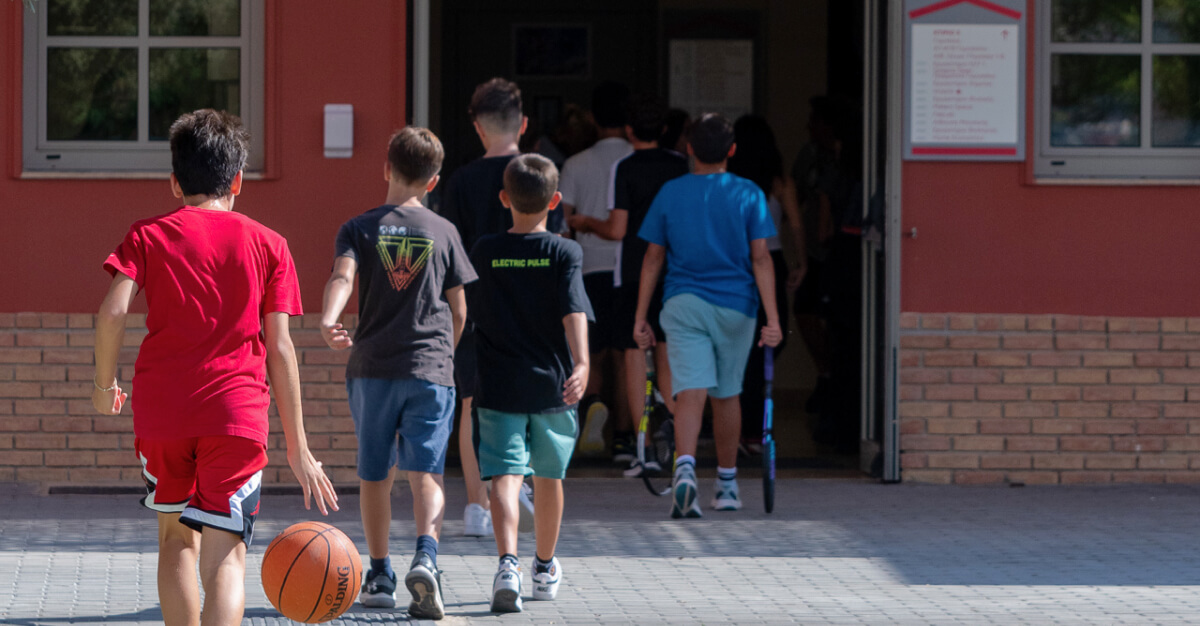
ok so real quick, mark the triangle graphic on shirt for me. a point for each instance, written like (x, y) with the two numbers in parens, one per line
(403, 258)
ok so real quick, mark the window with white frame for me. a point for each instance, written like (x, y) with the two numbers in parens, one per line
(104, 79)
(1118, 89)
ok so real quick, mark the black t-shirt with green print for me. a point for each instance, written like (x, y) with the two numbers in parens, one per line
(527, 284)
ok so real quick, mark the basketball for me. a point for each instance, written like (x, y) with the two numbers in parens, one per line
(311, 572)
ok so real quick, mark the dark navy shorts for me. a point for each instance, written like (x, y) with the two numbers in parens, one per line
(402, 422)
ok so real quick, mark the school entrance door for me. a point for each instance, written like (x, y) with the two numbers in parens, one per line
(767, 57)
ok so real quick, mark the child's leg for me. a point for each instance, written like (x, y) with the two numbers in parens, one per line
(635, 382)
(178, 591)
(476, 489)
(548, 509)
(664, 375)
(727, 429)
(689, 411)
(429, 502)
(505, 489)
(223, 571)
(375, 504)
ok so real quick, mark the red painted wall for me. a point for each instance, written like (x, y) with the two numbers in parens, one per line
(990, 239)
(989, 243)
(56, 233)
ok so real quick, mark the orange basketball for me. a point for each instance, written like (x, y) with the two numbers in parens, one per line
(311, 572)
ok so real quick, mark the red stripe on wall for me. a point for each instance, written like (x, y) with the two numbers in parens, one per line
(983, 4)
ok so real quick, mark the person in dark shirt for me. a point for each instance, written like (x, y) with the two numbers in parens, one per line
(531, 374)
(636, 181)
(400, 377)
(471, 201)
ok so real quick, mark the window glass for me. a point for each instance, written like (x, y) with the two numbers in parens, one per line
(186, 79)
(1177, 21)
(1092, 21)
(1176, 101)
(92, 18)
(91, 94)
(1095, 100)
(195, 18)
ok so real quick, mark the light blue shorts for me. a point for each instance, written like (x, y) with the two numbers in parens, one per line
(525, 443)
(403, 422)
(707, 345)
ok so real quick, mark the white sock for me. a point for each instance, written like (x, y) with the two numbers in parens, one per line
(682, 459)
(726, 473)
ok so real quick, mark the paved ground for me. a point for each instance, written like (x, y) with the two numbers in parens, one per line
(834, 552)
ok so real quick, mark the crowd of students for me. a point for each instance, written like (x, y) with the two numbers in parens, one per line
(485, 305)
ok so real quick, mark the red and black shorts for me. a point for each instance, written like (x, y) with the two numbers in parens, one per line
(210, 481)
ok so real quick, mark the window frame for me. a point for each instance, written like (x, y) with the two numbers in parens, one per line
(1130, 163)
(142, 156)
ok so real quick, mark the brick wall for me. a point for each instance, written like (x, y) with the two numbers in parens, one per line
(1049, 399)
(51, 435)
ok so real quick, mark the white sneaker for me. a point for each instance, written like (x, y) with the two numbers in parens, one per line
(684, 502)
(545, 584)
(506, 588)
(726, 497)
(477, 521)
(635, 469)
(525, 522)
(591, 440)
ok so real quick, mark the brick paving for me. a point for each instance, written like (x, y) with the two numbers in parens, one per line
(834, 552)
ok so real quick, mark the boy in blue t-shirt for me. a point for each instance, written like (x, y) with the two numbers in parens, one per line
(711, 228)
(531, 315)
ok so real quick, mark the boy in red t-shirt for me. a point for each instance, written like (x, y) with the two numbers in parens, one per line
(220, 288)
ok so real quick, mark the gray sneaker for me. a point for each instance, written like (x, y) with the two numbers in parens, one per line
(424, 582)
(378, 590)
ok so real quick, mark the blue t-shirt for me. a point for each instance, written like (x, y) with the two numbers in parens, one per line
(706, 223)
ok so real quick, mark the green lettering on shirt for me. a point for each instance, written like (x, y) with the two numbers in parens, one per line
(521, 262)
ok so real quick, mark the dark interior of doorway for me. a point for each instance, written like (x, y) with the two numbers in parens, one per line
(475, 40)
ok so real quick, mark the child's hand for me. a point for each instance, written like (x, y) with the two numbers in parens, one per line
(578, 223)
(643, 334)
(313, 481)
(108, 402)
(335, 337)
(771, 335)
(796, 276)
(573, 389)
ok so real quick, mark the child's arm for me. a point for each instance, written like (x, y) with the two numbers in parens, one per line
(107, 397)
(764, 277)
(457, 298)
(785, 190)
(285, 380)
(576, 326)
(337, 293)
(612, 229)
(652, 264)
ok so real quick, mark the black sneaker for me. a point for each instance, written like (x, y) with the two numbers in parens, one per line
(424, 582)
(379, 590)
(623, 449)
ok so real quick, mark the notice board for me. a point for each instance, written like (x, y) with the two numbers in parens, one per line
(964, 80)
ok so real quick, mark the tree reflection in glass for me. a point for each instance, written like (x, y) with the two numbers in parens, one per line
(1095, 100)
(91, 94)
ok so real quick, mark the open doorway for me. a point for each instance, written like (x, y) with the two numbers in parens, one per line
(772, 58)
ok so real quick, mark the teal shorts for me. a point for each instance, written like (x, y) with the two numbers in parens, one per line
(526, 443)
(707, 345)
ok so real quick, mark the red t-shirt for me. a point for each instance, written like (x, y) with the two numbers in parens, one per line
(209, 278)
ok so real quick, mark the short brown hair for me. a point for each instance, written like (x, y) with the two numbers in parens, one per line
(496, 104)
(208, 149)
(415, 154)
(530, 181)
